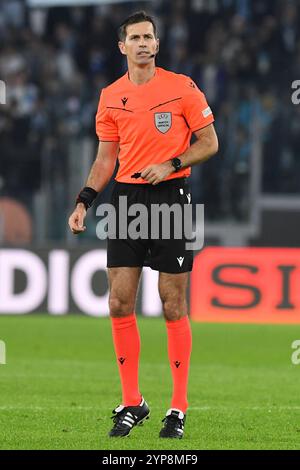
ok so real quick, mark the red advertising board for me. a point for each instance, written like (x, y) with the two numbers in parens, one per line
(246, 285)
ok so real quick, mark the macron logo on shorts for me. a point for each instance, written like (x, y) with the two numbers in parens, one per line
(180, 260)
(206, 112)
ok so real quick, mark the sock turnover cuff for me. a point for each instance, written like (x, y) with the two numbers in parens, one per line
(178, 324)
(123, 322)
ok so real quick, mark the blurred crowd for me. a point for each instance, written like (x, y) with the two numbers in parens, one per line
(243, 54)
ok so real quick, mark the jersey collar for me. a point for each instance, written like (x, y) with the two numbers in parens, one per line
(153, 79)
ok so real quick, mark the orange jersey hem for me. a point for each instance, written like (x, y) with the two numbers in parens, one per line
(179, 174)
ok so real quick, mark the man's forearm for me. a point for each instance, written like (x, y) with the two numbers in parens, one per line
(100, 174)
(198, 152)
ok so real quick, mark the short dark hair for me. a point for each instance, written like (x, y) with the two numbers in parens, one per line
(137, 17)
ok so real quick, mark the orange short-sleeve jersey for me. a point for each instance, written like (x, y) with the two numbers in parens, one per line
(152, 122)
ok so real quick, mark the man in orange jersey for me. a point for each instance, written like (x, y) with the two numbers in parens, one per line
(146, 119)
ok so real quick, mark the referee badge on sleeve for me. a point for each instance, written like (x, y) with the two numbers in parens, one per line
(163, 122)
(207, 112)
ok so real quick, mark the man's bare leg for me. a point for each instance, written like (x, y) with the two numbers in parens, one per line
(123, 285)
(172, 290)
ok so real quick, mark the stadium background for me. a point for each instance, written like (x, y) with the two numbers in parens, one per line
(244, 55)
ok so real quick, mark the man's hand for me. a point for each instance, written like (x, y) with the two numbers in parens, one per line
(154, 174)
(76, 219)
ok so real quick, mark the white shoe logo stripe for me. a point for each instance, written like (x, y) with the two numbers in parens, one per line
(127, 423)
(130, 420)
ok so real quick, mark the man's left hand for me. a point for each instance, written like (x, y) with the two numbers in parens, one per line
(154, 174)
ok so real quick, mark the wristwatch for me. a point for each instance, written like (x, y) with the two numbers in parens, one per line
(176, 163)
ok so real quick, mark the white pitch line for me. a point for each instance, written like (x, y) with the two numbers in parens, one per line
(222, 408)
(192, 408)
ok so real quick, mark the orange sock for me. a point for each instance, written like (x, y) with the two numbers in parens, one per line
(179, 349)
(127, 348)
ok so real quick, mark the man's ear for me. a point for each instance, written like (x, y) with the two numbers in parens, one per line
(122, 47)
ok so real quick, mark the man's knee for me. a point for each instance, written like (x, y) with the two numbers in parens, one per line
(174, 308)
(120, 307)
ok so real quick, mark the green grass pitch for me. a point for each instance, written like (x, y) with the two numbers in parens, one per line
(60, 384)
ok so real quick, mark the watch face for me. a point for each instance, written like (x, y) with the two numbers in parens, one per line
(176, 163)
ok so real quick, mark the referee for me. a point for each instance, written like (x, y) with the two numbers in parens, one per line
(145, 119)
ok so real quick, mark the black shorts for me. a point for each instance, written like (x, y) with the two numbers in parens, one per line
(165, 255)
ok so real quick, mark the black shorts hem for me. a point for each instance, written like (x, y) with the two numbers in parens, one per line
(123, 265)
(170, 271)
(154, 268)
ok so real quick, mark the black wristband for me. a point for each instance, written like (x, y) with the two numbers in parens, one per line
(87, 196)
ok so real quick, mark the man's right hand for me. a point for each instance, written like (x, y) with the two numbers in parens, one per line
(76, 219)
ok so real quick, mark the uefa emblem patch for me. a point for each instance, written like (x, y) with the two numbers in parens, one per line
(163, 122)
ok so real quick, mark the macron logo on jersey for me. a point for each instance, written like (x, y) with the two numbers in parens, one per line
(206, 112)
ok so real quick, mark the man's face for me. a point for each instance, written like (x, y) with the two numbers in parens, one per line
(140, 43)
